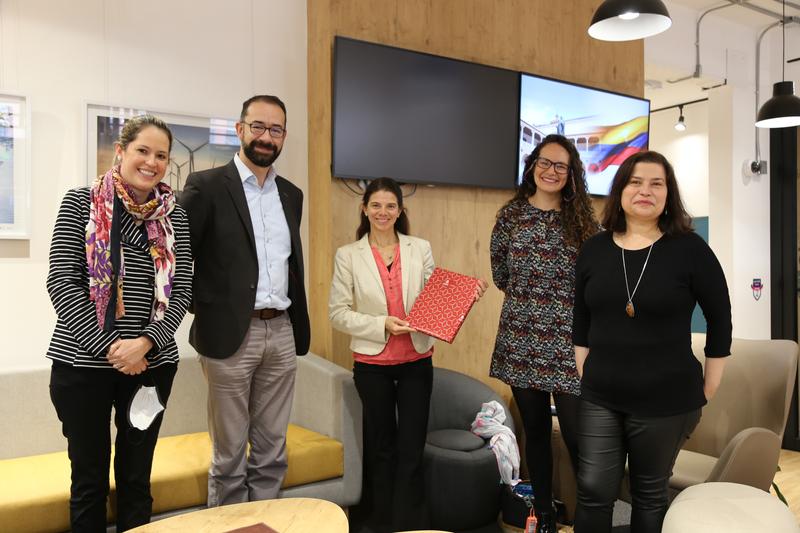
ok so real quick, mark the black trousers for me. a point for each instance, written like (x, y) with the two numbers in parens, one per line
(534, 408)
(606, 438)
(83, 398)
(395, 400)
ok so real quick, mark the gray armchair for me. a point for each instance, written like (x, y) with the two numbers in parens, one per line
(461, 475)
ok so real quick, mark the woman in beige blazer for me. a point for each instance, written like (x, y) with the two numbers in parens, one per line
(375, 282)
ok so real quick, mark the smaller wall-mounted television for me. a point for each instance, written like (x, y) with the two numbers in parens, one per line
(421, 118)
(606, 127)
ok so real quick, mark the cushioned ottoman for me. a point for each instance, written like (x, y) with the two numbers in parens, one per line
(728, 508)
(461, 480)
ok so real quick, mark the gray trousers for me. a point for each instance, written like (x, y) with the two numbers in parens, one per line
(249, 401)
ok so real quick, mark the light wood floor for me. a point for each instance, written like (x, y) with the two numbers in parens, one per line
(788, 480)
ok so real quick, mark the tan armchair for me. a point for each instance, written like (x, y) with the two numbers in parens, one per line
(739, 436)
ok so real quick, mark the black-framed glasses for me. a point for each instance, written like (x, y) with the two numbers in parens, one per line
(544, 163)
(258, 129)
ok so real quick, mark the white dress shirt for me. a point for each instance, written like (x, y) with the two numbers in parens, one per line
(273, 242)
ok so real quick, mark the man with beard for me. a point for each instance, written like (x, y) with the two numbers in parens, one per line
(250, 311)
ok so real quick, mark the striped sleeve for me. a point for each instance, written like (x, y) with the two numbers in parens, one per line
(68, 279)
(162, 332)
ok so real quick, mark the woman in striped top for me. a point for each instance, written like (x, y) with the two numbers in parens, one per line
(120, 282)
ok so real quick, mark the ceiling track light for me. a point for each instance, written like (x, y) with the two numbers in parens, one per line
(783, 109)
(628, 20)
(681, 124)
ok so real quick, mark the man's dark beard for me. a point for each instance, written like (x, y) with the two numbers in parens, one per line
(259, 159)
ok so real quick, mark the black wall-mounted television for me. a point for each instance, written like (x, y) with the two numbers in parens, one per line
(420, 118)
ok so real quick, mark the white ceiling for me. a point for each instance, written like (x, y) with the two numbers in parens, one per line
(658, 88)
(665, 93)
(744, 15)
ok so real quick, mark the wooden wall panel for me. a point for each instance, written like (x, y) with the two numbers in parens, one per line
(538, 36)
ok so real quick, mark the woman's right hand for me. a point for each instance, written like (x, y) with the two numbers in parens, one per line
(128, 357)
(136, 368)
(395, 326)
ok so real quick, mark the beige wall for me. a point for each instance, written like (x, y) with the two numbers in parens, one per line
(547, 38)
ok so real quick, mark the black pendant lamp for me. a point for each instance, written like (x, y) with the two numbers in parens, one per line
(628, 20)
(783, 109)
(681, 124)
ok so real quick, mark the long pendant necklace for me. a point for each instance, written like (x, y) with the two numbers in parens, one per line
(629, 309)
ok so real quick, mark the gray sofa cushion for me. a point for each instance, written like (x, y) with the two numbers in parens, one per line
(455, 439)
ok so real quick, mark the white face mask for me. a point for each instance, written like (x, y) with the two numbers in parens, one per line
(144, 408)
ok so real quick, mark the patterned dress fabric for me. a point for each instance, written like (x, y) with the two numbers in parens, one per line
(535, 268)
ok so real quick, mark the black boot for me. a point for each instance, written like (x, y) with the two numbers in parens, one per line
(546, 521)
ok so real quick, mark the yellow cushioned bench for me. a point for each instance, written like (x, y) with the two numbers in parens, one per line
(34, 490)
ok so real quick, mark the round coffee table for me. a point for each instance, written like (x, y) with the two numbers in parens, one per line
(287, 515)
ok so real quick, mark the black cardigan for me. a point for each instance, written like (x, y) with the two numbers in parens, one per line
(644, 365)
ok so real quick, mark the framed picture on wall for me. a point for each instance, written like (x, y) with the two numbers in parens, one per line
(198, 142)
(15, 166)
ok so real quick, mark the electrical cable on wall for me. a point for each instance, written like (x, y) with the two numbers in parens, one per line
(362, 185)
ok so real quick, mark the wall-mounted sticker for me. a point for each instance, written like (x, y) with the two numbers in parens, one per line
(757, 286)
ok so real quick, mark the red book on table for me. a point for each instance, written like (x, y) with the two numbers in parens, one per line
(443, 304)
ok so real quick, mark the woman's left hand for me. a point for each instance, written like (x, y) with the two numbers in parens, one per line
(480, 289)
(126, 354)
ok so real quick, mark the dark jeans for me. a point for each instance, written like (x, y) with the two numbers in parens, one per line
(83, 398)
(395, 399)
(650, 444)
(534, 408)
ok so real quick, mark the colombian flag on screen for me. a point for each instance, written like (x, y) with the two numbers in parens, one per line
(619, 143)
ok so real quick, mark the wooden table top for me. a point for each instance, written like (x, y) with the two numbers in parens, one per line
(287, 515)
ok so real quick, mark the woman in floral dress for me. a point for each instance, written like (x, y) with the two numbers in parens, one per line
(534, 247)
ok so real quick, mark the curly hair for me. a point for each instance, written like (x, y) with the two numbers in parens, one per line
(673, 220)
(577, 214)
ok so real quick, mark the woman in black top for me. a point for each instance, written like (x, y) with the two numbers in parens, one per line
(120, 280)
(642, 388)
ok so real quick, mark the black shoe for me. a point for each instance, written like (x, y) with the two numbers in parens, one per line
(546, 522)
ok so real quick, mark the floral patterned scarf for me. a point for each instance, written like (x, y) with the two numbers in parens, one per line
(104, 252)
